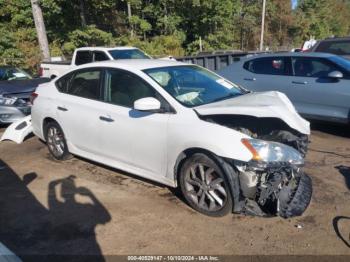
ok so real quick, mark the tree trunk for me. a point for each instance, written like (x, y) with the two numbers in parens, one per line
(82, 13)
(129, 16)
(40, 29)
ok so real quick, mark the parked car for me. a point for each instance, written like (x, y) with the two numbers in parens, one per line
(180, 125)
(336, 45)
(16, 86)
(86, 55)
(316, 83)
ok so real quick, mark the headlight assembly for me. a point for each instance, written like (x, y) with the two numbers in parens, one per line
(265, 151)
(7, 101)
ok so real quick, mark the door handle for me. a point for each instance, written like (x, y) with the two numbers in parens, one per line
(250, 79)
(106, 119)
(299, 82)
(62, 108)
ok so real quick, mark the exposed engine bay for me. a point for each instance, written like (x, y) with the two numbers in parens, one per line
(282, 190)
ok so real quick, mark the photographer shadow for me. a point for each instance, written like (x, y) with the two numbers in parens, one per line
(62, 232)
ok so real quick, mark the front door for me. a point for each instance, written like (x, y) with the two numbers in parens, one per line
(138, 139)
(316, 95)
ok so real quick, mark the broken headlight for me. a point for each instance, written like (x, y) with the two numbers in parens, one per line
(7, 101)
(266, 151)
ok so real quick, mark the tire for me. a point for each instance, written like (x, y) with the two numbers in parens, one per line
(56, 141)
(204, 186)
(298, 200)
(300, 143)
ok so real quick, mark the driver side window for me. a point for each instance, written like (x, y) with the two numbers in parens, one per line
(312, 67)
(123, 88)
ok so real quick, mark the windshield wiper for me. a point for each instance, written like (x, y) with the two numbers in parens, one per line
(225, 97)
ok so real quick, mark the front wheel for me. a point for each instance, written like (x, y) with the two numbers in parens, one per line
(56, 142)
(204, 186)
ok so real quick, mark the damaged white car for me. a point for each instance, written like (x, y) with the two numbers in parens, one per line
(228, 150)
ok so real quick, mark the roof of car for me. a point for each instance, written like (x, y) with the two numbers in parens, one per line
(138, 64)
(295, 54)
(102, 48)
(335, 39)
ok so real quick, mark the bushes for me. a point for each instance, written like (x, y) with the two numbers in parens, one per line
(88, 36)
(156, 46)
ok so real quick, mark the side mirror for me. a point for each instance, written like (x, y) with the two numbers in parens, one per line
(147, 104)
(335, 75)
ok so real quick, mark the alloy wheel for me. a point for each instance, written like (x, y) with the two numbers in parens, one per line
(205, 187)
(55, 141)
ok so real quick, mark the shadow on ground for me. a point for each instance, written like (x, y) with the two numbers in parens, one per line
(63, 232)
(341, 130)
(344, 236)
(345, 171)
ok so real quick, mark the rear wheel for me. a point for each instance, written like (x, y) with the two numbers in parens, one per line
(204, 186)
(56, 141)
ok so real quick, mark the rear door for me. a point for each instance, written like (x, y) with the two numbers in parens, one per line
(266, 74)
(78, 107)
(316, 95)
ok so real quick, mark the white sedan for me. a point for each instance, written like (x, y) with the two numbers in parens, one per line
(183, 126)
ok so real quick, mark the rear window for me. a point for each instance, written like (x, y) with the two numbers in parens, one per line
(267, 66)
(100, 56)
(128, 54)
(83, 57)
(335, 47)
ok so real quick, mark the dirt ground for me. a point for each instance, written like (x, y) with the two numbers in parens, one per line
(79, 207)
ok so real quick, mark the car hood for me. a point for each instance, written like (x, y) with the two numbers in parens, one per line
(21, 86)
(262, 104)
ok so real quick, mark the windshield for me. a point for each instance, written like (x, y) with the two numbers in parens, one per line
(128, 54)
(344, 63)
(11, 73)
(192, 85)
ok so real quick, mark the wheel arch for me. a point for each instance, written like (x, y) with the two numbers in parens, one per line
(186, 154)
(46, 121)
(227, 168)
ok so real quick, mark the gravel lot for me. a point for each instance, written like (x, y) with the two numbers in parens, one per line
(79, 207)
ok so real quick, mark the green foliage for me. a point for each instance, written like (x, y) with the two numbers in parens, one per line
(157, 46)
(165, 27)
(88, 36)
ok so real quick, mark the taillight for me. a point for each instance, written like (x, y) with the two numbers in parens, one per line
(41, 71)
(33, 96)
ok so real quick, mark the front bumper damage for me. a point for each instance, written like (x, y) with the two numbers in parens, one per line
(278, 189)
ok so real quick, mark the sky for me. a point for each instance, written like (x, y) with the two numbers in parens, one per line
(294, 3)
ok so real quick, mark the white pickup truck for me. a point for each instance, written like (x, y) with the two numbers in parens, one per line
(86, 55)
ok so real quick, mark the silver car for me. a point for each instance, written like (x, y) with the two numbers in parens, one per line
(318, 84)
(16, 86)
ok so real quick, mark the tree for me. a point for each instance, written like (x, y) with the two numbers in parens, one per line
(40, 29)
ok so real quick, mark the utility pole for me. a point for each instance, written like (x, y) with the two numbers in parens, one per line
(262, 25)
(129, 17)
(40, 29)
